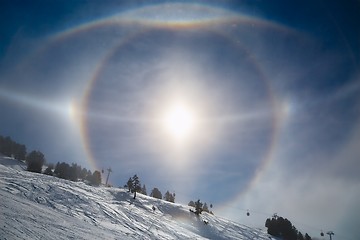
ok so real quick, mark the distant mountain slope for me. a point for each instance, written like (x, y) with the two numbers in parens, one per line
(37, 206)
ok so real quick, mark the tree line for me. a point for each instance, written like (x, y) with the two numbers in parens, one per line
(75, 172)
(10, 148)
(35, 161)
(282, 227)
(200, 207)
(134, 185)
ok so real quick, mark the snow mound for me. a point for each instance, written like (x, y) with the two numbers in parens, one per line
(37, 206)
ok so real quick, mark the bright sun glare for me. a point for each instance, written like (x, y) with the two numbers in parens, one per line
(179, 121)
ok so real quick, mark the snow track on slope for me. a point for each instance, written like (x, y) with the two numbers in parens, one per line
(37, 206)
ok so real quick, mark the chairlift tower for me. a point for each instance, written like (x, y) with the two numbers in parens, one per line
(330, 233)
(107, 178)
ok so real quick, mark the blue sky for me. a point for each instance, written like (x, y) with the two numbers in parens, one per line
(272, 89)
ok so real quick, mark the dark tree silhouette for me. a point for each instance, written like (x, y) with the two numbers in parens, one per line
(191, 203)
(6, 146)
(35, 160)
(136, 184)
(198, 207)
(19, 151)
(96, 178)
(10, 148)
(130, 184)
(62, 170)
(282, 227)
(74, 172)
(89, 176)
(83, 174)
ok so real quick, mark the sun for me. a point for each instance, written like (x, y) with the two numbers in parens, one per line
(179, 121)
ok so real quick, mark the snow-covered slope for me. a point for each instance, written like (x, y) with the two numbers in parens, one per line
(12, 163)
(37, 206)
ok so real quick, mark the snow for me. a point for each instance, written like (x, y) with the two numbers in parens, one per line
(37, 206)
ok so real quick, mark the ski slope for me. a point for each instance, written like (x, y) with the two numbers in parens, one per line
(37, 206)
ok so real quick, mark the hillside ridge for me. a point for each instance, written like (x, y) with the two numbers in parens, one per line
(37, 206)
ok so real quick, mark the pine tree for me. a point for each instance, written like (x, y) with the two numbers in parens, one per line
(96, 178)
(280, 227)
(5, 146)
(19, 151)
(89, 177)
(136, 184)
(191, 203)
(62, 170)
(73, 172)
(198, 207)
(35, 160)
(155, 193)
(83, 174)
(130, 184)
(169, 197)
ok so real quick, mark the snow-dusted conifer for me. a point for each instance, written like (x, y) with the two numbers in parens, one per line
(155, 193)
